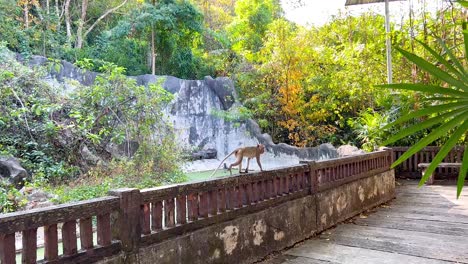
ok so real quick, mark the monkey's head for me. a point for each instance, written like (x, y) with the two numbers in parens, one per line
(261, 148)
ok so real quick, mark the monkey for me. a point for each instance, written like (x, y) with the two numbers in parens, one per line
(240, 153)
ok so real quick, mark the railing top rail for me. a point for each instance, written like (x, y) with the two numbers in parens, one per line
(345, 160)
(23, 220)
(170, 191)
(428, 148)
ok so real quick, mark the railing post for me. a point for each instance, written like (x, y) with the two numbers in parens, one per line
(392, 156)
(7, 248)
(313, 177)
(391, 153)
(128, 227)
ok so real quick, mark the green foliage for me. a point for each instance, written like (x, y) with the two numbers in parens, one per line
(117, 174)
(446, 110)
(250, 25)
(27, 107)
(62, 137)
(304, 86)
(177, 27)
(318, 78)
(368, 129)
(236, 114)
(66, 194)
(10, 198)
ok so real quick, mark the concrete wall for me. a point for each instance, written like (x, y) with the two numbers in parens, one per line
(251, 237)
(345, 201)
(242, 240)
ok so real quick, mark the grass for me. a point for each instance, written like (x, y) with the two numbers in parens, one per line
(205, 175)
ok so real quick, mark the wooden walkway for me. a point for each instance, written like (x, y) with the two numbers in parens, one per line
(422, 225)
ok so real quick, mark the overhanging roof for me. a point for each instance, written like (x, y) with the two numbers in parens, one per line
(361, 2)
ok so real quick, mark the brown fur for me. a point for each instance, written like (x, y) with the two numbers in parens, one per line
(240, 153)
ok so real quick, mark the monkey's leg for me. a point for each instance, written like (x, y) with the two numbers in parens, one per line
(247, 169)
(259, 164)
(238, 162)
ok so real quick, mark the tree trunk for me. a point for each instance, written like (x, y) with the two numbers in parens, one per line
(153, 53)
(67, 22)
(26, 15)
(80, 35)
(153, 48)
(57, 12)
(79, 31)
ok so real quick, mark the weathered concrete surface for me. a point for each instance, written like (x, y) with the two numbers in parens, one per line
(348, 200)
(251, 237)
(243, 240)
(422, 225)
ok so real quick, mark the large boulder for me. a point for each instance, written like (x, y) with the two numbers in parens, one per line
(348, 150)
(37, 198)
(89, 157)
(127, 149)
(11, 170)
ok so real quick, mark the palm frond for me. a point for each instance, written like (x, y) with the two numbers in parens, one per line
(448, 114)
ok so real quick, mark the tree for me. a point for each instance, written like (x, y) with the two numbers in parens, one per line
(176, 27)
(318, 77)
(81, 33)
(285, 67)
(250, 24)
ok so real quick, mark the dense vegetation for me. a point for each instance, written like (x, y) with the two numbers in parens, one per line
(304, 85)
(84, 138)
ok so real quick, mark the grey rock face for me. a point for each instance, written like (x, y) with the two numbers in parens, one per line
(66, 71)
(205, 154)
(11, 170)
(88, 156)
(222, 87)
(191, 113)
(324, 151)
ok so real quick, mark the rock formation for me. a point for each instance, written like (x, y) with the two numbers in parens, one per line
(11, 170)
(191, 113)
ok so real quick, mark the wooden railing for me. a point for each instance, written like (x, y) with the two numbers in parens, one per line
(64, 218)
(144, 217)
(336, 172)
(173, 210)
(409, 168)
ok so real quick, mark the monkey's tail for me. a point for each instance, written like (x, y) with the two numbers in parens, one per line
(222, 163)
